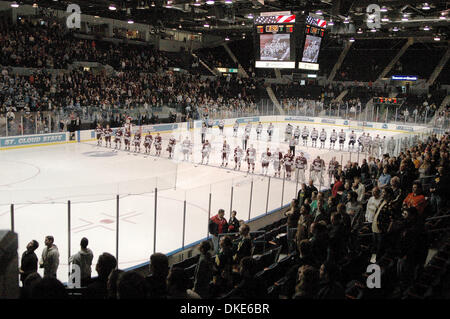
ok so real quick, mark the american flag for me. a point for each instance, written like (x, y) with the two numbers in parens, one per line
(274, 19)
(317, 22)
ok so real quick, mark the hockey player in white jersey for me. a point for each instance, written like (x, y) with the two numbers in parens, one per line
(333, 139)
(225, 153)
(270, 131)
(323, 138)
(383, 145)
(341, 139)
(206, 150)
(361, 142)
(351, 143)
(265, 160)
(300, 166)
(238, 153)
(258, 130)
(251, 157)
(391, 146)
(368, 143)
(376, 146)
(235, 128)
(317, 167)
(186, 148)
(221, 126)
(297, 135)
(288, 132)
(248, 128)
(314, 136)
(305, 134)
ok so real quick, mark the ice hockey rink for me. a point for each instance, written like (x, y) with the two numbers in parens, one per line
(40, 181)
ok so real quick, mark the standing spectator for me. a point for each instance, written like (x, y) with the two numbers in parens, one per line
(97, 289)
(50, 258)
(84, 260)
(354, 209)
(338, 186)
(304, 223)
(217, 225)
(372, 204)
(381, 222)
(439, 189)
(29, 261)
(293, 215)
(244, 244)
(310, 189)
(203, 271)
(233, 223)
(359, 188)
(157, 279)
(224, 262)
(398, 193)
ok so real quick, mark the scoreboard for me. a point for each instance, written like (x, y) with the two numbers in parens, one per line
(288, 41)
(388, 100)
(275, 41)
(277, 28)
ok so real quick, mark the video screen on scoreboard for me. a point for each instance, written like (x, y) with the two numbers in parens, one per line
(275, 47)
(311, 49)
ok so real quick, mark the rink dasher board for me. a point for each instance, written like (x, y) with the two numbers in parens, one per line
(36, 140)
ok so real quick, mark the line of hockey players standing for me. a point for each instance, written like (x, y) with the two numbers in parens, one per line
(288, 161)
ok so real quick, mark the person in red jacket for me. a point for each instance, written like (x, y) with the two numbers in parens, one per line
(217, 225)
(416, 199)
(337, 187)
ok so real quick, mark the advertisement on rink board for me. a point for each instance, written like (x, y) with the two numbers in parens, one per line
(33, 139)
(299, 118)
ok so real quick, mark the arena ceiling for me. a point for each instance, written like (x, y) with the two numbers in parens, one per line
(234, 17)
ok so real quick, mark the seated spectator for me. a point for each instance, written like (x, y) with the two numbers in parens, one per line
(98, 288)
(416, 199)
(29, 282)
(308, 283)
(157, 279)
(249, 286)
(384, 179)
(177, 285)
(204, 271)
(131, 285)
(330, 287)
(304, 257)
(111, 286)
(48, 288)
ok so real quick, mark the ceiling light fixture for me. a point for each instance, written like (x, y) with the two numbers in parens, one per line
(426, 28)
(331, 23)
(426, 6)
(197, 3)
(395, 29)
(210, 2)
(112, 7)
(383, 9)
(14, 4)
(346, 21)
(352, 40)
